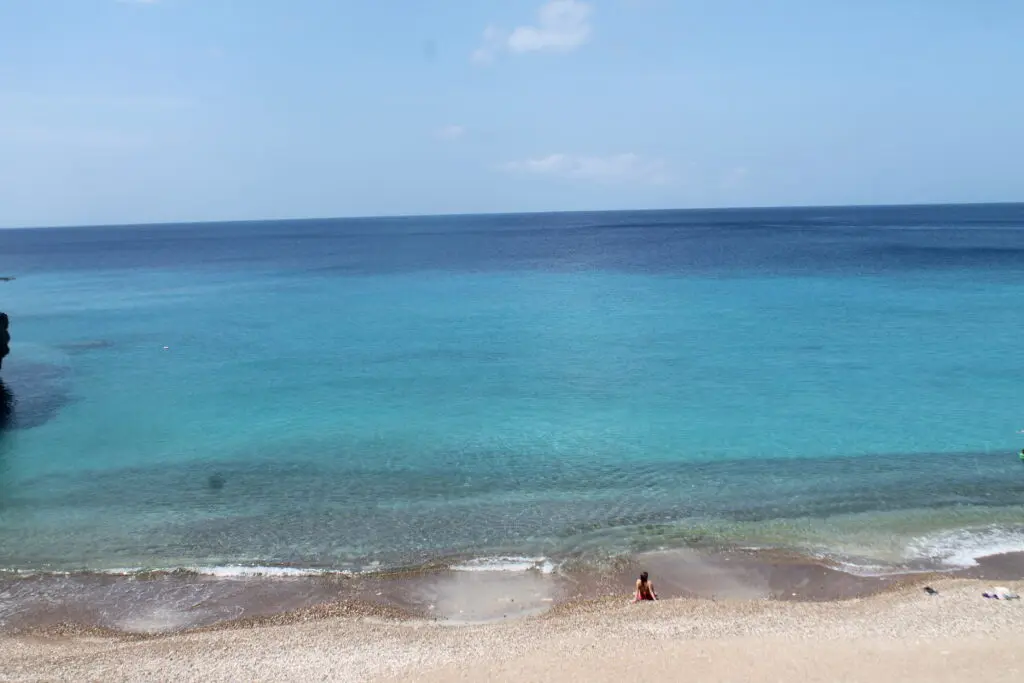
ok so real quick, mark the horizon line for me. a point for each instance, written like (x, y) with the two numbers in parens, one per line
(357, 217)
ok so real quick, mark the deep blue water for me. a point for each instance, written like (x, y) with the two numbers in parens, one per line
(341, 393)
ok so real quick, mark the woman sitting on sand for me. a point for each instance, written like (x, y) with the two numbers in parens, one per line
(644, 589)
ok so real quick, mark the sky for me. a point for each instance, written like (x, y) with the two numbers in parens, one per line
(139, 111)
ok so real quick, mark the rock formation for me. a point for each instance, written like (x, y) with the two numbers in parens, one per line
(5, 338)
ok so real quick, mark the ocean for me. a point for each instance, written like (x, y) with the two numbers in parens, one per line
(515, 390)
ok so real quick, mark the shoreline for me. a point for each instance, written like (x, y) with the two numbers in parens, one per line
(164, 603)
(901, 633)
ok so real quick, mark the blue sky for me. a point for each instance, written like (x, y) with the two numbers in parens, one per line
(131, 111)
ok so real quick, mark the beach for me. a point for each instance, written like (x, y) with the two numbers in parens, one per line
(443, 447)
(900, 634)
(354, 344)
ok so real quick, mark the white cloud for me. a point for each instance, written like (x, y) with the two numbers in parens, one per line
(735, 177)
(491, 44)
(562, 26)
(34, 136)
(33, 100)
(613, 169)
(450, 132)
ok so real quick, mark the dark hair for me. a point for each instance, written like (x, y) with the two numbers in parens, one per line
(643, 577)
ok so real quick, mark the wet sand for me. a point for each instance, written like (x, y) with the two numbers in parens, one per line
(179, 602)
(901, 634)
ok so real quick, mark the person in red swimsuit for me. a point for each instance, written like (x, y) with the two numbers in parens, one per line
(644, 589)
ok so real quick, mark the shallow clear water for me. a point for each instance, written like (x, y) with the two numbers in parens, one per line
(362, 392)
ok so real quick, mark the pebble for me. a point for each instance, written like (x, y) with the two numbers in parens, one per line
(358, 642)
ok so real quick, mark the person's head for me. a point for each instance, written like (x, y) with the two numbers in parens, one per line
(643, 577)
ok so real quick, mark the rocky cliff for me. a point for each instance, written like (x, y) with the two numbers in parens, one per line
(5, 338)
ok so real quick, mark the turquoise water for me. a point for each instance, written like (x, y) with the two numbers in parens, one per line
(353, 394)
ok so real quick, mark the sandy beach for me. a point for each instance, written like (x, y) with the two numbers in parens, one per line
(901, 634)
